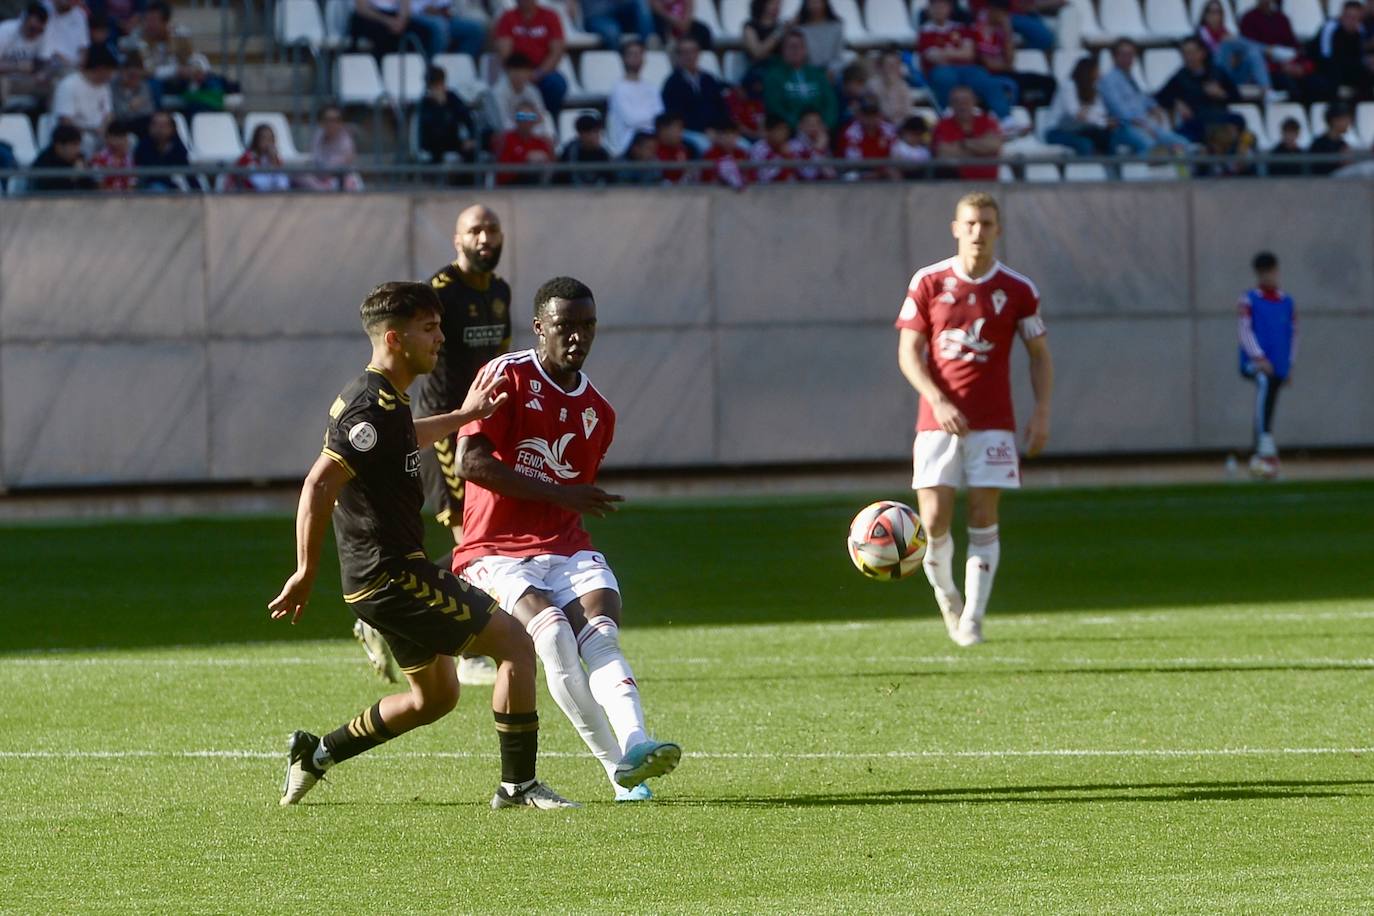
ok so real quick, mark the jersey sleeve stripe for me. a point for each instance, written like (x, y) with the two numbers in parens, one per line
(1035, 290)
(340, 460)
(1031, 327)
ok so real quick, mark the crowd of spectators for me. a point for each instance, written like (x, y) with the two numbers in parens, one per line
(804, 96)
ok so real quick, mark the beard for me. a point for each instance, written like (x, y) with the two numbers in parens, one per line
(483, 264)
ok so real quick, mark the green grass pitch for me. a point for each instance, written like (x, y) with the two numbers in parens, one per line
(1173, 714)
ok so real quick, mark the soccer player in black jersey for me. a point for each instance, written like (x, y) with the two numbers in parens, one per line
(477, 329)
(369, 473)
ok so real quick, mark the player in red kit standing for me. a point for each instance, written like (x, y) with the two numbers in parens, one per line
(957, 324)
(531, 470)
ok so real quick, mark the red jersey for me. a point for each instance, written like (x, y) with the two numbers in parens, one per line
(107, 159)
(971, 325)
(544, 432)
(993, 44)
(678, 153)
(726, 170)
(949, 35)
(772, 174)
(517, 149)
(530, 37)
(858, 143)
(949, 130)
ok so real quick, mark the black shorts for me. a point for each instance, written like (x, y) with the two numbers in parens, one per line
(443, 486)
(424, 611)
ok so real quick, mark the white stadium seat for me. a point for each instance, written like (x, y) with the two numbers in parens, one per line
(1169, 18)
(734, 65)
(356, 80)
(1084, 171)
(577, 95)
(575, 38)
(183, 130)
(855, 32)
(657, 68)
(215, 137)
(1042, 172)
(705, 13)
(298, 22)
(1277, 112)
(1005, 174)
(600, 71)
(286, 142)
(1029, 60)
(890, 21)
(710, 63)
(1364, 122)
(1089, 24)
(460, 72)
(1122, 19)
(403, 77)
(43, 130)
(1160, 64)
(1307, 16)
(18, 133)
(733, 15)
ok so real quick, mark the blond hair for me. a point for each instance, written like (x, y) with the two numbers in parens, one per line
(978, 200)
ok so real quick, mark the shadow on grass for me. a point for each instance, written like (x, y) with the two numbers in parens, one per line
(1092, 793)
(207, 581)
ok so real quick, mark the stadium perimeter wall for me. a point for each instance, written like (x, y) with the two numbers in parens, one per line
(160, 339)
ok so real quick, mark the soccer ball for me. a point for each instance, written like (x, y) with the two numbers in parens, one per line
(886, 540)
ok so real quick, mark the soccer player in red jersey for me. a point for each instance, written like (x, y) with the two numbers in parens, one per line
(957, 323)
(531, 469)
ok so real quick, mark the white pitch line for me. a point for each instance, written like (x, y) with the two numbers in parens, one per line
(733, 755)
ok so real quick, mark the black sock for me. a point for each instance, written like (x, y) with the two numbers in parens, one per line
(519, 736)
(366, 731)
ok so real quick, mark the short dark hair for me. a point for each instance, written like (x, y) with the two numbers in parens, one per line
(435, 75)
(162, 9)
(65, 133)
(586, 122)
(1124, 42)
(398, 301)
(518, 61)
(915, 122)
(118, 129)
(1290, 124)
(771, 121)
(36, 11)
(629, 43)
(668, 118)
(1336, 110)
(100, 56)
(1265, 260)
(560, 288)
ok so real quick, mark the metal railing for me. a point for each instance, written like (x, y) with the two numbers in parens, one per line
(211, 177)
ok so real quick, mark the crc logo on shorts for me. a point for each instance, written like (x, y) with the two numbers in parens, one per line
(413, 463)
(1002, 453)
(363, 436)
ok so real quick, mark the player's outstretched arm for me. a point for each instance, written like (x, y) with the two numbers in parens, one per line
(322, 486)
(911, 358)
(483, 397)
(1042, 384)
(477, 462)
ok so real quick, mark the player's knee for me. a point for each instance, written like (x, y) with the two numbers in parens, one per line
(435, 702)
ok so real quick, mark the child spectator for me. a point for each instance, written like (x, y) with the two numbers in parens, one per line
(913, 144)
(524, 144)
(263, 158)
(726, 154)
(869, 137)
(745, 105)
(775, 148)
(670, 146)
(161, 147)
(1333, 141)
(62, 152)
(890, 87)
(515, 88)
(1290, 144)
(813, 143)
(586, 147)
(116, 154)
(1224, 139)
(446, 127)
(853, 90)
(333, 148)
(83, 99)
(643, 148)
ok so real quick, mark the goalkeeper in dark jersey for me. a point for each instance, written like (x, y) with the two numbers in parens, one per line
(477, 329)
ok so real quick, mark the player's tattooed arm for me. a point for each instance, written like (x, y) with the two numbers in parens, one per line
(477, 462)
(322, 486)
(911, 358)
(483, 398)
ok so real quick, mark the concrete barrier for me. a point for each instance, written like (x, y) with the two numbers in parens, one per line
(202, 339)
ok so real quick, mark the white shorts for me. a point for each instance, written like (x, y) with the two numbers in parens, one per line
(983, 458)
(566, 578)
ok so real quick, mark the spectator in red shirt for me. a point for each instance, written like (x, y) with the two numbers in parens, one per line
(968, 134)
(870, 137)
(536, 32)
(1028, 22)
(725, 152)
(996, 45)
(950, 58)
(776, 147)
(118, 153)
(1269, 27)
(263, 158)
(524, 144)
(670, 146)
(745, 104)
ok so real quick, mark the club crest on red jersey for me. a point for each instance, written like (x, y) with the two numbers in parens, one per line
(589, 419)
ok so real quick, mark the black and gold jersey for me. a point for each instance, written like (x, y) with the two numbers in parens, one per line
(476, 330)
(371, 435)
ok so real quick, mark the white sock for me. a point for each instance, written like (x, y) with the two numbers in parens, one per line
(983, 552)
(321, 758)
(557, 649)
(612, 681)
(939, 567)
(514, 787)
